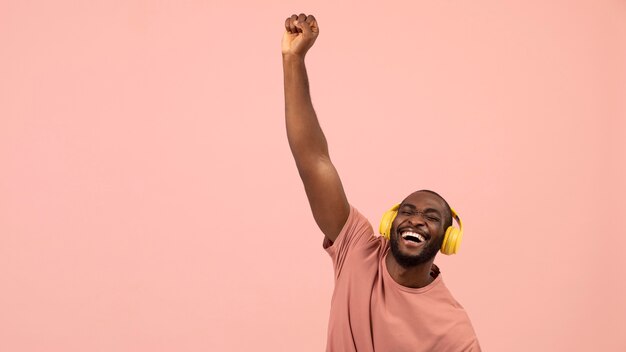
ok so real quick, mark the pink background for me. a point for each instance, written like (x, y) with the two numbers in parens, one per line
(149, 202)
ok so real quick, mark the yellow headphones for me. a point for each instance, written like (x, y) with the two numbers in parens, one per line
(451, 240)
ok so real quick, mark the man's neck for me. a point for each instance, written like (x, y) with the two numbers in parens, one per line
(413, 277)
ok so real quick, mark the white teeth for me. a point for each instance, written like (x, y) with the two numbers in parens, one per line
(413, 234)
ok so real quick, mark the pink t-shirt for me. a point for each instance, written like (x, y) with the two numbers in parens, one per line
(371, 312)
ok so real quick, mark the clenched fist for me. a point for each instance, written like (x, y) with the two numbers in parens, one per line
(300, 34)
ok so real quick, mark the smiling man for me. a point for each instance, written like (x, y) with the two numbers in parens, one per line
(389, 296)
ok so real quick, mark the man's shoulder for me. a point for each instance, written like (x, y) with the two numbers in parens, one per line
(459, 321)
(357, 228)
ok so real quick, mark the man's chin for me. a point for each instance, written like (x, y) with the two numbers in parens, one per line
(408, 259)
(410, 253)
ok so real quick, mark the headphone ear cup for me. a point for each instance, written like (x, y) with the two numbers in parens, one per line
(385, 223)
(451, 241)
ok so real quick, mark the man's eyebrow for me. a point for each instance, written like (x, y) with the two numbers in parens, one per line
(427, 210)
(431, 210)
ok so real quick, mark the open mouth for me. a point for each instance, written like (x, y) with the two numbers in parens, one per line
(413, 237)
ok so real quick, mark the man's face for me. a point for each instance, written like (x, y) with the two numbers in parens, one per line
(417, 232)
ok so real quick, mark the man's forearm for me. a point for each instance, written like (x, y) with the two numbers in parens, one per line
(304, 133)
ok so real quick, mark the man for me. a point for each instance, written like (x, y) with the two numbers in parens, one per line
(389, 296)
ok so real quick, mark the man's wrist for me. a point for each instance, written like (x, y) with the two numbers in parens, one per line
(290, 57)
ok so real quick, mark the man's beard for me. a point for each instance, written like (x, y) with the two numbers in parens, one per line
(408, 261)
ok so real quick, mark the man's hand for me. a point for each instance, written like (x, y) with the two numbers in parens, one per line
(300, 34)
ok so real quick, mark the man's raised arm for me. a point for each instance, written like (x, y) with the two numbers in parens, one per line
(307, 142)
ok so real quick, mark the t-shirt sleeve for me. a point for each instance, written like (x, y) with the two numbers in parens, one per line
(355, 232)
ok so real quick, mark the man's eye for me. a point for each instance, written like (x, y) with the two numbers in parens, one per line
(405, 212)
(432, 218)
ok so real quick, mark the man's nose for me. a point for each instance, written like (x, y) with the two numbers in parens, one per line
(417, 218)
